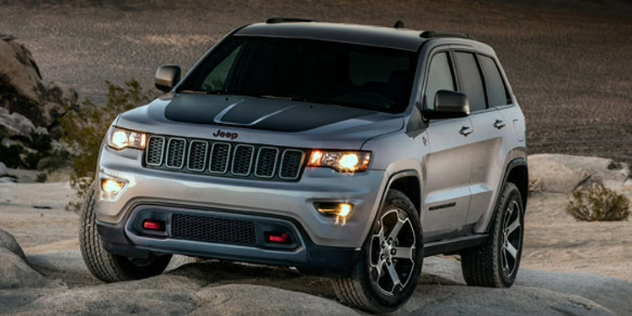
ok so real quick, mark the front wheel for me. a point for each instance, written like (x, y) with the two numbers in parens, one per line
(105, 266)
(388, 270)
(496, 263)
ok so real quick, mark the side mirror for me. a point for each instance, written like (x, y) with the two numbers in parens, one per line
(449, 104)
(167, 77)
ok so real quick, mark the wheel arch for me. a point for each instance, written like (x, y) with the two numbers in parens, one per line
(516, 172)
(519, 175)
(407, 182)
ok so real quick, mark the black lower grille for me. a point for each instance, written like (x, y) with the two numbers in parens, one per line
(213, 229)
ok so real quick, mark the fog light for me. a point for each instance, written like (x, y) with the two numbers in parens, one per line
(340, 210)
(111, 186)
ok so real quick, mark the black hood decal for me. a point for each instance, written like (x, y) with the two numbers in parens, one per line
(258, 113)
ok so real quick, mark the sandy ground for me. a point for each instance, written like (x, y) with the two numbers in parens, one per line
(568, 61)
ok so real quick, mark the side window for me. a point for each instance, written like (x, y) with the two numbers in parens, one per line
(471, 80)
(496, 91)
(216, 80)
(440, 77)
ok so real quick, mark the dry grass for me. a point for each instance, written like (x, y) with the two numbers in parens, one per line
(568, 61)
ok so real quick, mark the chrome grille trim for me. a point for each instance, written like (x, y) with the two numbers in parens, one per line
(274, 167)
(252, 154)
(162, 150)
(298, 171)
(205, 155)
(228, 157)
(169, 153)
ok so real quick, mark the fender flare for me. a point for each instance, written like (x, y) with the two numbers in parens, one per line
(513, 164)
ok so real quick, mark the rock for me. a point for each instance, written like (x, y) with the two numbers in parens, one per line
(3, 168)
(22, 89)
(15, 124)
(8, 180)
(14, 271)
(8, 242)
(564, 173)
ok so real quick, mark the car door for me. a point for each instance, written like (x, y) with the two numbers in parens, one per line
(447, 166)
(488, 148)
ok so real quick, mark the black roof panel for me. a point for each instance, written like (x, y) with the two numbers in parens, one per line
(347, 33)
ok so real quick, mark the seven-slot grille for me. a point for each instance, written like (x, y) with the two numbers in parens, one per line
(225, 159)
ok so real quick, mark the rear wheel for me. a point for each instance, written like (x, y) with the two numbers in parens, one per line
(496, 263)
(390, 265)
(105, 266)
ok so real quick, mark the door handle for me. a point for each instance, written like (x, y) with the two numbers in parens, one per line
(466, 130)
(499, 124)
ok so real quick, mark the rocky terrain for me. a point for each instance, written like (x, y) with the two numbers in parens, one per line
(568, 267)
(29, 107)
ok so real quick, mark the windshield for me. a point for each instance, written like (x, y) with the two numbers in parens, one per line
(351, 75)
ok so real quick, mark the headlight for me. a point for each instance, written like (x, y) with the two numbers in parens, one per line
(119, 138)
(341, 161)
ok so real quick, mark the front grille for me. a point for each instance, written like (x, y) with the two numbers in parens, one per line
(197, 155)
(176, 148)
(155, 146)
(243, 160)
(291, 163)
(220, 157)
(213, 229)
(200, 156)
(266, 162)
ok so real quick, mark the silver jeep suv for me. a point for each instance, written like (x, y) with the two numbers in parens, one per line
(345, 151)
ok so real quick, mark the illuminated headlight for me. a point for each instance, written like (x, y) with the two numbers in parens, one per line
(119, 138)
(111, 186)
(341, 161)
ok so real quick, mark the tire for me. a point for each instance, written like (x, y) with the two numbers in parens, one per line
(398, 256)
(105, 266)
(496, 263)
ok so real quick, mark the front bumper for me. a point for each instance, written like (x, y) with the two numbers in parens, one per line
(290, 204)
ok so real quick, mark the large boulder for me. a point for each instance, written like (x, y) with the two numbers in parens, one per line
(15, 124)
(564, 173)
(14, 271)
(8, 242)
(23, 91)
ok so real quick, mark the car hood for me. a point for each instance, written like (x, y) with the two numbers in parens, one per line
(261, 120)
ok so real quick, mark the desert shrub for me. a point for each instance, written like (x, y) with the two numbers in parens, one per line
(41, 177)
(85, 127)
(56, 159)
(598, 204)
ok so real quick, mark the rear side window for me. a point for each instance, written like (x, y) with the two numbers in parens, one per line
(496, 91)
(471, 80)
(440, 77)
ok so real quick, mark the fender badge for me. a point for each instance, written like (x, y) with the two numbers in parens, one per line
(425, 140)
(227, 135)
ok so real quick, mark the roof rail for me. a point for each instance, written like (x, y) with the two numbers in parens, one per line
(286, 20)
(433, 34)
